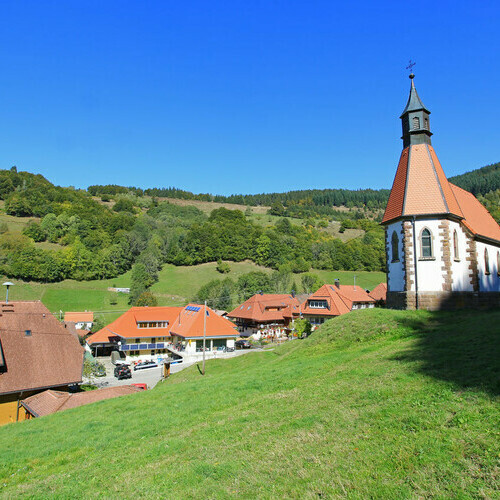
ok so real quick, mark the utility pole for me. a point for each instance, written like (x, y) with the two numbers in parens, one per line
(354, 281)
(204, 336)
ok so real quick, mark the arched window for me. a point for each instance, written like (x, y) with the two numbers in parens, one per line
(416, 123)
(426, 123)
(486, 262)
(455, 245)
(395, 247)
(426, 243)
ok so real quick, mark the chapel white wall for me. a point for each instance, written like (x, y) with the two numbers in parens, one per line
(488, 282)
(395, 270)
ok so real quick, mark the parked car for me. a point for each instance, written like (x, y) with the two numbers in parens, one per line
(122, 371)
(243, 344)
(144, 365)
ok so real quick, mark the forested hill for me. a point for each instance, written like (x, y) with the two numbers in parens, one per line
(68, 234)
(479, 181)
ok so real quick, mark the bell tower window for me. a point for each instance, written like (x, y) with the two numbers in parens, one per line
(426, 123)
(416, 123)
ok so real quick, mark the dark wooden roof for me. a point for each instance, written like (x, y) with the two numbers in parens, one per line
(38, 351)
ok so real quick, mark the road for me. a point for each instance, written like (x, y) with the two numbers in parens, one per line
(150, 376)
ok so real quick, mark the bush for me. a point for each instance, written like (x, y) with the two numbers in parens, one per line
(146, 299)
(124, 205)
(223, 267)
(35, 231)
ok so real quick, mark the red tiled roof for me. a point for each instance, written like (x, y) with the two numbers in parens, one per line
(266, 308)
(47, 402)
(420, 186)
(339, 300)
(477, 219)
(379, 292)
(50, 356)
(126, 325)
(189, 324)
(79, 317)
(181, 321)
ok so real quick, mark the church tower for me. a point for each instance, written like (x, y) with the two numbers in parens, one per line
(442, 245)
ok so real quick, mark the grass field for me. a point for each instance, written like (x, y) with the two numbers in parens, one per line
(176, 286)
(375, 404)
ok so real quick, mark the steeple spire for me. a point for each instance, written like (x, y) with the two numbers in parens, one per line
(415, 119)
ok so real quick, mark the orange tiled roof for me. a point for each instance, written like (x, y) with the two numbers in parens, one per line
(379, 292)
(339, 300)
(47, 402)
(420, 186)
(79, 317)
(189, 323)
(126, 325)
(477, 219)
(266, 308)
(182, 321)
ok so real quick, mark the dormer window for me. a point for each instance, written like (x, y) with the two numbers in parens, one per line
(152, 324)
(318, 304)
(416, 123)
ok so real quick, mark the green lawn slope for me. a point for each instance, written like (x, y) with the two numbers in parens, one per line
(177, 285)
(375, 404)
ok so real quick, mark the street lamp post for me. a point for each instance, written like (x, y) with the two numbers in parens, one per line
(7, 284)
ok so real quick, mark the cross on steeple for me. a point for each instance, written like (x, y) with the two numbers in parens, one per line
(410, 66)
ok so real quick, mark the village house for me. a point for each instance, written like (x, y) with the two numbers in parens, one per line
(155, 332)
(36, 353)
(50, 401)
(265, 311)
(442, 245)
(379, 294)
(334, 300)
(81, 320)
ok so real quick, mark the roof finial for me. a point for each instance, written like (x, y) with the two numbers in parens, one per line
(410, 67)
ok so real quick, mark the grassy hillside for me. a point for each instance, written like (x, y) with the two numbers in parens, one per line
(176, 286)
(375, 404)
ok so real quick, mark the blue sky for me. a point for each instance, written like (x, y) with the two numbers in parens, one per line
(242, 96)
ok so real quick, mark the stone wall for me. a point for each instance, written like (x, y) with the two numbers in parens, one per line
(434, 301)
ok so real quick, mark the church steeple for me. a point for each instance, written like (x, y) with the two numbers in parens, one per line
(415, 120)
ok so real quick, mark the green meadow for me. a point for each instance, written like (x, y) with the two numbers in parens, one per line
(177, 285)
(374, 404)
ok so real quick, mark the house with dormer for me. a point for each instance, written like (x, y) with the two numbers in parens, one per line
(37, 353)
(154, 332)
(334, 300)
(265, 310)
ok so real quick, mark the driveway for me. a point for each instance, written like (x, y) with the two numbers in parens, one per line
(151, 376)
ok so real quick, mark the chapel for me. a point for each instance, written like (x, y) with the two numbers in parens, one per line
(442, 245)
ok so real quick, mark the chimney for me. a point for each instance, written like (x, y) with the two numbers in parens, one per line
(293, 293)
(337, 283)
